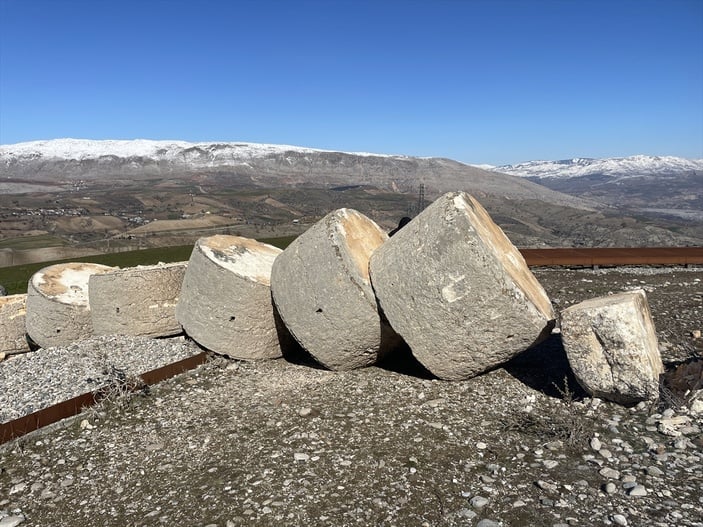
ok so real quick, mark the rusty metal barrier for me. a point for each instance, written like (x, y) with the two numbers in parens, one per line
(52, 414)
(590, 257)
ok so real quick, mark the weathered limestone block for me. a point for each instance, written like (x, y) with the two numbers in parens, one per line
(225, 302)
(138, 301)
(456, 289)
(12, 324)
(321, 288)
(612, 347)
(58, 311)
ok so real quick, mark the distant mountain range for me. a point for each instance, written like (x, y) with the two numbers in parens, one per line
(63, 161)
(615, 167)
(640, 200)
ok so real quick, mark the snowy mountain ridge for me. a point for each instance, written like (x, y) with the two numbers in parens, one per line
(210, 153)
(632, 166)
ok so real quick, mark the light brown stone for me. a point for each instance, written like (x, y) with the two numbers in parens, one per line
(612, 347)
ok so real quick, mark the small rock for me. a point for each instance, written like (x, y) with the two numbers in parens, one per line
(550, 463)
(654, 471)
(609, 473)
(304, 412)
(19, 487)
(637, 491)
(596, 444)
(301, 456)
(544, 485)
(11, 521)
(481, 445)
(478, 502)
(619, 519)
(610, 488)
(487, 523)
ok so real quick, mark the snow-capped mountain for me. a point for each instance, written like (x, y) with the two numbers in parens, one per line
(208, 153)
(63, 162)
(633, 166)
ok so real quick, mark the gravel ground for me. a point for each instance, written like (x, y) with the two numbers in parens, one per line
(280, 443)
(48, 376)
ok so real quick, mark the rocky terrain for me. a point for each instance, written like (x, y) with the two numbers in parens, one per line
(285, 443)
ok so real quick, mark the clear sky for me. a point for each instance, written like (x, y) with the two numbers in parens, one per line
(479, 81)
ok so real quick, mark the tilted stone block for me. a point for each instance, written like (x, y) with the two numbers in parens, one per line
(12, 324)
(612, 347)
(225, 303)
(58, 311)
(137, 301)
(456, 289)
(321, 288)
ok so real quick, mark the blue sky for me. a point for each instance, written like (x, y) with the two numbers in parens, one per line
(478, 81)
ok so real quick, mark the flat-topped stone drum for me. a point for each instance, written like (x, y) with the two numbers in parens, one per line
(225, 302)
(321, 288)
(137, 301)
(456, 289)
(58, 308)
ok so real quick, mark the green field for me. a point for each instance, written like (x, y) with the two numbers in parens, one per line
(15, 278)
(32, 242)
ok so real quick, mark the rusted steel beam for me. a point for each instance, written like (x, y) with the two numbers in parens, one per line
(51, 414)
(614, 256)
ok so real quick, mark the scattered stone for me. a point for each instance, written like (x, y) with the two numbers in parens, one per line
(654, 471)
(58, 311)
(619, 519)
(696, 333)
(321, 288)
(478, 502)
(457, 290)
(12, 324)
(610, 488)
(612, 347)
(609, 473)
(596, 444)
(225, 301)
(487, 523)
(11, 521)
(120, 304)
(637, 491)
(300, 456)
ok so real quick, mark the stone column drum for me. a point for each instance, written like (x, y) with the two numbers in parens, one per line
(456, 289)
(321, 288)
(612, 347)
(225, 302)
(138, 301)
(58, 311)
(12, 325)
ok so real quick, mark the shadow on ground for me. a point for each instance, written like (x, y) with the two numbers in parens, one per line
(545, 368)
